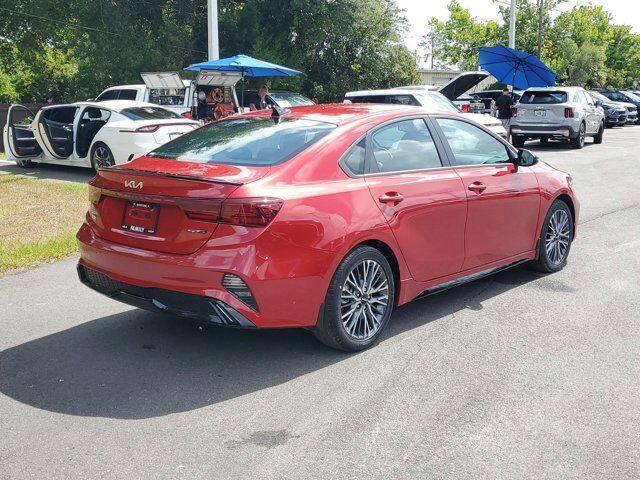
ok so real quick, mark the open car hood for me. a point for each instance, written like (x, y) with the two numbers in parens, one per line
(462, 83)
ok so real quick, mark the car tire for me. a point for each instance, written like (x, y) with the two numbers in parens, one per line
(597, 138)
(552, 254)
(24, 163)
(578, 142)
(101, 156)
(517, 142)
(353, 318)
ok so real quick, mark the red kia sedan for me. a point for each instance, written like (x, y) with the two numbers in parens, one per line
(323, 217)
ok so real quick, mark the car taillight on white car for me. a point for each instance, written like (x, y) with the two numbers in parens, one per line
(568, 112)
(145, 129)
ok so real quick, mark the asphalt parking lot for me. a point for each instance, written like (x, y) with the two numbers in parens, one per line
(516, 376)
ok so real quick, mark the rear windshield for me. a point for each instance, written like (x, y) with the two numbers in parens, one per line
(393, 99)
(437, 101)
(543, 97)
(245, 141)
(290, 99)
(148, 113)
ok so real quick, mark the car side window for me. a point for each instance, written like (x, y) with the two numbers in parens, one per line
(355, 158)
(405, 145)
(471, 145)
(108, 95)
(127, 94)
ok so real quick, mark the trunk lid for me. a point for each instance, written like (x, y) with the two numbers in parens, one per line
(462, 84)
(163, 205)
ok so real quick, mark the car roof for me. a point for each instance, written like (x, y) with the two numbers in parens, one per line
(345, 113)
(553, 89)
(389, 91)
(118, 105)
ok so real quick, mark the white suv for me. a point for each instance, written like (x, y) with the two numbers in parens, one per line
(421, 97)
(566, 113)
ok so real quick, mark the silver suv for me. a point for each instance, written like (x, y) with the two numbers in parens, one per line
(566, 113)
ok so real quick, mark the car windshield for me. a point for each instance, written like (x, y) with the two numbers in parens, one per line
(543, 97)
(631, 95)
(245, 141)
(148, 113)
(598, 96)
(437, 101)
(290, 99)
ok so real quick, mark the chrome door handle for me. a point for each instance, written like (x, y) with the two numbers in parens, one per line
(477, 187)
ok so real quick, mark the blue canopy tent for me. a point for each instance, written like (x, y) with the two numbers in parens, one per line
(515, 68)
(246, 66)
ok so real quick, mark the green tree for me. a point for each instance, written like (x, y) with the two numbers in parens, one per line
(47, 54)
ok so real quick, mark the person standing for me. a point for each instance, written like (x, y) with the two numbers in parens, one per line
(503, 104)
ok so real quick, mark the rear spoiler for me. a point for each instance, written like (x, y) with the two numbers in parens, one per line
(165, 174)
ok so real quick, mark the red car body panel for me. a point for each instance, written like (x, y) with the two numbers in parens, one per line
(439, 232)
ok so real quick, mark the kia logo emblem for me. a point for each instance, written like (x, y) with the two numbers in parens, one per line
(132, 184)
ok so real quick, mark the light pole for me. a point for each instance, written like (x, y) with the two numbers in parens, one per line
(212, 29)
(512, 25)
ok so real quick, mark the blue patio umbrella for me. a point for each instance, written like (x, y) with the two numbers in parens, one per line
(246, 66)
(516, 68)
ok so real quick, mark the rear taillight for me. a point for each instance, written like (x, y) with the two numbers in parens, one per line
(514, 112)
(246, 212)
(466, 108)
(186, 115)
(568, 112)
(236, 286)
(250, 212)
(145, 129)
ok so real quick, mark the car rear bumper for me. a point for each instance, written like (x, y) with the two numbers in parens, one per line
(155, 280)
(547, 131)
(195, 307)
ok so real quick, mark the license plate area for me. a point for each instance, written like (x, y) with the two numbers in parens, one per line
(540, 113)
(140, 217)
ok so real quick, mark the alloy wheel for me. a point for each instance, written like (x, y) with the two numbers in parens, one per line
(558, 237)
(102, 157)
(364, 299)
(582, 134)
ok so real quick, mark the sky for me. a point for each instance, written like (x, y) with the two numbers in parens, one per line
(418, 13)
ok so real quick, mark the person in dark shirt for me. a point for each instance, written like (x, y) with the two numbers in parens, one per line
(261, 104)
(503, 104)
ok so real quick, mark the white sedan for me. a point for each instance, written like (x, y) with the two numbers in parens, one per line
(89, 134)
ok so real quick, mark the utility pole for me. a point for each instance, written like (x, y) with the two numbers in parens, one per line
(432, 39)
(212, 29)
(512, 25)
(540, 10)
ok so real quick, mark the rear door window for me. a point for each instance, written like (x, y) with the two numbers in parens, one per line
(403, 146)
(254, 141)
(542, 97)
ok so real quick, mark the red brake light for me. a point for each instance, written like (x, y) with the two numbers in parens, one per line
(514, 112)
(250, 212)
(465, 107)
(247, 212)
(568, 112)
(186, 115)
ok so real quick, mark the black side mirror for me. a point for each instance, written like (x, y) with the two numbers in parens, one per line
(526, 158)
(598, 104)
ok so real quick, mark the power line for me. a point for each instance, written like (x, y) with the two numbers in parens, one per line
(92, 29)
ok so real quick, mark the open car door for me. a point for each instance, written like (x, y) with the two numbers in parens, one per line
(19, 140)
(53, 129)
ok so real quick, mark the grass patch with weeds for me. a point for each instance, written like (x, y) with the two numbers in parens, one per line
(38, 220)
